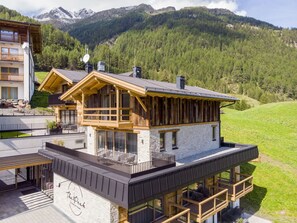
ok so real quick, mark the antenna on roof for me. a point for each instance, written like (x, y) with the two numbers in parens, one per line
(85, 59)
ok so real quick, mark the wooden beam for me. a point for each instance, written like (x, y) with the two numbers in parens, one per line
(118, 103)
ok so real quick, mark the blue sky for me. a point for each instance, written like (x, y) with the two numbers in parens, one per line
(278, 12)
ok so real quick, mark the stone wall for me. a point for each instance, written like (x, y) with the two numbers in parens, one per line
(191, 139)
(82, 205)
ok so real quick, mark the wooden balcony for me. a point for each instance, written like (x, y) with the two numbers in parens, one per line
(109, 117)
(53, 100)
(200, 211)
(10, 38)
(12, 57)
(238, 188)
(177, 214)
(11, 77)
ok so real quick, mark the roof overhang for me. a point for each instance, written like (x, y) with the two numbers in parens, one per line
(21, 161)
(95, 81)
(22, 27)
(53, 80)
(128, 191)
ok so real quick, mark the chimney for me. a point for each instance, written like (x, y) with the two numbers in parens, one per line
(101, 66)
(88, 68)
(180, 82)
(137, 72)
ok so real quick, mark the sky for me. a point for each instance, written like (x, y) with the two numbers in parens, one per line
(278, 12)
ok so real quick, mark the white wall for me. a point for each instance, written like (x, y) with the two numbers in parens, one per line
(91, 207)
(92, 141)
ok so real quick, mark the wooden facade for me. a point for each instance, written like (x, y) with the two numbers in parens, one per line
(147, 111)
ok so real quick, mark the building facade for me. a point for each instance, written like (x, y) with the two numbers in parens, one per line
(57, 82)
(154, 153)
(18, 42)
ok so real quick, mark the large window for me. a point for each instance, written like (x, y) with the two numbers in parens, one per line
(118, 141)
(68, 116)
(10, 36)
(9, 93)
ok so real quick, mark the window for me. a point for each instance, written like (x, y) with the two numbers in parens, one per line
(10, 70)
(120, 144)
(214, 138)
(118, 141)
(4, 50)
(65, 88)
(14, 51)
(68, 116)
(10, 36)
(9, 93)
(174, 140)
(132, 143)
(162, 141)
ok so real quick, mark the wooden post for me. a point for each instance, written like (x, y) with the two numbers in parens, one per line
(83, 106)
(118, 104)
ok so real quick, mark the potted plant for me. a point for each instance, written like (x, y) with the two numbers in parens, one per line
(53, 127)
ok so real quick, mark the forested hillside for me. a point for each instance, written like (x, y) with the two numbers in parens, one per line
(220, 51)
(59, 49)
(213, 48)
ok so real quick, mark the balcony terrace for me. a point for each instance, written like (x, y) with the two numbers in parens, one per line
(12, 57)
(111, 117)
(11, 77)
(237, 188)
(53, 100)
(205, 207)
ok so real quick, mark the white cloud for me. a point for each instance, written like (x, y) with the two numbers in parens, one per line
(29, 6)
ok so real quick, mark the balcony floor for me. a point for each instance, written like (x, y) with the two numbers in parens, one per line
(205, 155)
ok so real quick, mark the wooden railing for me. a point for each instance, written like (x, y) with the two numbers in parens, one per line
(185, 214)
(239, 188)
(106, 115)
(200, 211)
(12, 57)
(11, 77)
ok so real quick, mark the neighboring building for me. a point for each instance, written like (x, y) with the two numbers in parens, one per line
(57, 82)
(155, 153)
(18, 42)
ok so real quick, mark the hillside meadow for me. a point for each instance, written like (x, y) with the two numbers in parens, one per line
(273, 127)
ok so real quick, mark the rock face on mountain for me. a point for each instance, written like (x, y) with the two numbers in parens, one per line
(67, 20)
(61, 17)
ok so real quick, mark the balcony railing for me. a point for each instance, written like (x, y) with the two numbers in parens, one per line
(11, 77)
(106, 116)
(239, 188)
(54, 100)
(127, 162)
(181, 215)
(9, 38)
(12, 57)
(201, 210)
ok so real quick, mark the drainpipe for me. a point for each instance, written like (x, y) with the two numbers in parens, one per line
(224, 106)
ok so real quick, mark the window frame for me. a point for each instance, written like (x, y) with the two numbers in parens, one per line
(162, 138)
(213, 132)
(174, 140)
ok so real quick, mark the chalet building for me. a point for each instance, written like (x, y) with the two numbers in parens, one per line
(57, 82)
(154, 152)
(18, 42)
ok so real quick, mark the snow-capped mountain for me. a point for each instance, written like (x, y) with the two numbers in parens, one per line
(63, 15)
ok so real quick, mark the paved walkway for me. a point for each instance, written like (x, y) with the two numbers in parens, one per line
(48, 214)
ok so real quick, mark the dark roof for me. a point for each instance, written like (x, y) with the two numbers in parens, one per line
(74, 75)
(129, 192)
(169, 88)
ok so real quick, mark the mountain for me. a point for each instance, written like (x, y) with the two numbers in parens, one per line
(59, 49)
(60, 16)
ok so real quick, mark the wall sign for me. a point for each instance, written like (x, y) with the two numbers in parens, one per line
(75, 199)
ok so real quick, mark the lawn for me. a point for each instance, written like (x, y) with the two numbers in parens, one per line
(15, 134)
(273, 127)
(40, 76)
